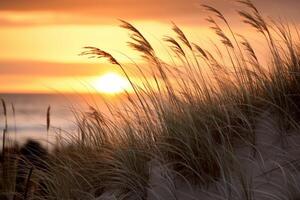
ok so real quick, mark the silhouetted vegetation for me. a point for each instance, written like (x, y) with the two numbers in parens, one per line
(203, 125)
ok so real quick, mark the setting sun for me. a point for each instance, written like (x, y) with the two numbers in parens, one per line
(149, 99)
(112, 83)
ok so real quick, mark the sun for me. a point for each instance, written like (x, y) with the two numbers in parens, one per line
(112, 83)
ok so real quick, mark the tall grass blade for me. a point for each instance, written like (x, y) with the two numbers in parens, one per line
(5, 128)
(48, 124)
(15, 122)
(27, 186)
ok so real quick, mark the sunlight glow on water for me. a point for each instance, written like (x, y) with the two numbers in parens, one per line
(30, 114)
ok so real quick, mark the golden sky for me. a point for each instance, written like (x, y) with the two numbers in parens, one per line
(41, 39)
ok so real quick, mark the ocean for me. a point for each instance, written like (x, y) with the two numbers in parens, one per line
(29, 121)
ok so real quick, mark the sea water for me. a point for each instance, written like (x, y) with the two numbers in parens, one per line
(30, 118)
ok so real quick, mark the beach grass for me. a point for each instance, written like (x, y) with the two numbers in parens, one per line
(195, 133)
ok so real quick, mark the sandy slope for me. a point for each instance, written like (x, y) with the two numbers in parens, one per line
(270, 173)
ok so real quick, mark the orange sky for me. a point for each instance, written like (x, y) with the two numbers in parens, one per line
(40, 40)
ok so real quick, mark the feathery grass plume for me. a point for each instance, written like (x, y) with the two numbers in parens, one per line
(5, 129)
(254, 62)
(201, 51)
(283, 30)
(249, 4)
(279, 71)
(249, 49)
(175, 46)
(224, 39)
(96, 52)
(185, 41)
(211, 63)
(48, 124)
(48, 117)
(243, 73)
(254, 18)
(14, 116)
(4, 112)
(229, 50)
(178, 50)
(140, 43)
(215, 11)
(181, 36)
(202, 83)
(222, 17)
(255, 22)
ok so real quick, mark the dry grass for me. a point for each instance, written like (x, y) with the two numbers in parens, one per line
(191, 122)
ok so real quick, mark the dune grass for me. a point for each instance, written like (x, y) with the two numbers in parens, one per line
(191, 123)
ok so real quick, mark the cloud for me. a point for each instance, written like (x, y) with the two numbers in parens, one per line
(94, 11)
(35, 69)
(106, 8)
(101, 5)
(106, 11)
(36, 18)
